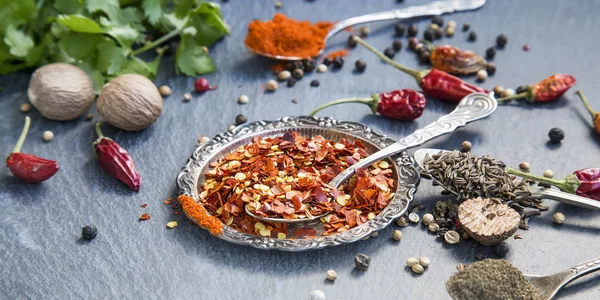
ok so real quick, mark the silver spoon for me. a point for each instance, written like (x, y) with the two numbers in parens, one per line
(431, 9)
(471, 108)
(549, 285)
(536, 191)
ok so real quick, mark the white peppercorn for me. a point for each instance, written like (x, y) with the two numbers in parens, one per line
(549, 173)
(427, 219)
(187, 97)
(482, 75)
(278, 4)
(231, 127)
(413, 217)
(418, 269)
(424, 261)
(498, 90)
(451, 23)
(397, 235)
(272, 85)
(331, 275)
(243, 99)
(559, 218)
(164, 90)
(203, 139)
(375, 234)
(466, 146)
(317, 295)
(411, 261)
(433, 227)
(321, 68)
(284, 75)
(25, 107)
(450, 31)
(47, 135)
(451, 237)
(508, 92)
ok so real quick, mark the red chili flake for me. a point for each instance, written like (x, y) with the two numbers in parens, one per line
(144, 217)
(144, 205)
(167, 202)
(176, 212)
(518, 237)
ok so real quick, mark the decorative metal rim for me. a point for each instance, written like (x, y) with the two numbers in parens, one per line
(408, 179)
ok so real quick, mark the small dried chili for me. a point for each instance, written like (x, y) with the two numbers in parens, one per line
(399, 104)
(547, 90)
(115, 160)
(455, 61)
(435, 83)
(584, 182)
(595, 114)
(28, 167)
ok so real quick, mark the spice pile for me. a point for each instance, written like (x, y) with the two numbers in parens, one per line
(490, 279)
(286, 176)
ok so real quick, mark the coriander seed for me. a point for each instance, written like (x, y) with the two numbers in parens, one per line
(231, 127)
(315, 83)
(48, 135)
(558, 218)
(291, 82)
(321, 68)
(482, 75)
(556, 135)
(284, 75)
(427, 219)
(498, 90)
(203, 140)
(362, 262)
(424, 261)
(433, 227)
(243, 99)
(272, 85)
(413, 217)
(164, 90)
(397, 235)
(411, 261)
(298, 74)
(549, 173)
(524, 166)
(240, 119)
(89, 232)
(187, 97)
(360, 65)
(451, 237)
(417, 269)
(25, 107)
(331, 275)
(466, 146)
(401, 222)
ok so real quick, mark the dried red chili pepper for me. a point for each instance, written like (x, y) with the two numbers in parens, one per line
(116, 161)
(455, 61)
(399, 104)
(595, 114)
(28, 167)
(435, 83)
(547, 90)
(584, 182)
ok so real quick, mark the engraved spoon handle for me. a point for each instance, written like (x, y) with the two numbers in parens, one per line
(551, 284)
(567, 198)
(472, 107)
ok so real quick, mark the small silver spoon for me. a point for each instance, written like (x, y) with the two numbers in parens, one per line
(471, 108)
(431, 9)
(549, 285)
(536, 191)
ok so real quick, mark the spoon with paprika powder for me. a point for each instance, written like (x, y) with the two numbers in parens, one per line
(289, 39)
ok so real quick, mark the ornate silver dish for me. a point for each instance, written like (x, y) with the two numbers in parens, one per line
(192, 175)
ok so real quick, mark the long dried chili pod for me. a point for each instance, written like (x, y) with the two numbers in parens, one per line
(455, 61)
(399, 104)
(435, 83)
(115, 160)
(595, 114)
(547, 90)
(584, 182)
(28, 167)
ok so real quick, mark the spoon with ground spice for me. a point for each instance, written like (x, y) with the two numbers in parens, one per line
(285, 38)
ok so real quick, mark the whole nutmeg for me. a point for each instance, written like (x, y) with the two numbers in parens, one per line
(61, 91)
(130, 102)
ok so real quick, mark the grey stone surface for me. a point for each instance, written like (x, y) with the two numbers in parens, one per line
(41, 256)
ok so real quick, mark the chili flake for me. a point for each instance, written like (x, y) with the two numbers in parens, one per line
(144, 217)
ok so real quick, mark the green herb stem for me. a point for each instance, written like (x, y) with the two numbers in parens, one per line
(158, 41)
(587, 104)
(23, 135)
(371, 102)
(517, 96)
(414, 73)
(569, 184)
(99, 130)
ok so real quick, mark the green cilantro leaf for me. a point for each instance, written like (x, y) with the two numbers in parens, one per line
(18, 42)
(170, 22)
(190, 58)
(69, 6)
(116, 14)
(152, 10)
(124, 34)
(111, 57)
(209, 23)
(80, 23)
(182, 7)
(79, 45)
(16, 12)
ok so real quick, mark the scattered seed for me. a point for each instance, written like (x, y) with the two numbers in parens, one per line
(433, 26)
(559, 218)
(351, 42)
(466, 27)
(424, 261)
(472, 36)
(240, 119)
(549, 174)
(294, 101)
(321, 68)
(338, 62)
(501, 41)
(397, 45)
(187, 97)
(278, 4)
(172, 224)
(501, 249)
(438, 33)
(451, 237)
(450, 31)
(89, 232)
(375, 234)
(400, 29)
(518, 237)
(317, 295)
(298, 74)
(389, 52)
(490, 68)
(521, 89)
(89, 117)
(327, 61)
(418, 269)
(272, 85)
(427, 219)
(413, 30)
(315, 83)
(508, 92)
(243, 99)
(203, 140)
(309, 65)
(291, 82)
(556, 135)
(451, 23)
(331, 275)
(524, 166)
(465, 235)
(360, 65)
(413, 42)
(482, 75)
(411, 261)
(397, 235)
(490, 53)
(413, 217)
(429, 35)
(466, 146)
(401, 222)
(231, 127)
(205, 49)
(164, 91)
(437, 20)
(498, 90)
(362, 262)
(48, 135)
(364, 31)
(526, 47)
(284, 75)
(433, 227)
(25, 107)
(143, 205)
(144, 217)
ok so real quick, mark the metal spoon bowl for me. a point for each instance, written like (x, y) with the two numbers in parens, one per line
(549, 285)
(431, 9)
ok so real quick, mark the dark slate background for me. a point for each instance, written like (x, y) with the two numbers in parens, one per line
(40, 225)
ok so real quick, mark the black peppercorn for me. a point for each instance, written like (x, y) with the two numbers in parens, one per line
(501, 249)
(501, 41)
(327, 61)
(290, 66)
(298, 65)
(338, 62)
(425, 57)
(437, 20)
(472, 36)
(466, 27)
(291, 82)
(400, 29)
(309, 65)
(315, 83)
(490, 53)
(397, 45)
(389, 52)
(89, 232)
(556, 135)
(439, 33)
(521, 89)
(360, 65)
(413, 30)
(298, 74)
(429, 35)
(351, 42)
(413, 42)
(490, 68)
(362, 262)
(240, 119)
(453, 215)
